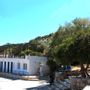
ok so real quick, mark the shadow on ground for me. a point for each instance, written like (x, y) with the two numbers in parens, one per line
(43, 87)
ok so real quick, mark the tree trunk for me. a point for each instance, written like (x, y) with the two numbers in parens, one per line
(83, 71)
(86, 71)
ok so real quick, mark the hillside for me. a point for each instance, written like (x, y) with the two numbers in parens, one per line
(37, 46)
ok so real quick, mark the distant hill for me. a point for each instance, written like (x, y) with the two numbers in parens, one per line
(37, 46)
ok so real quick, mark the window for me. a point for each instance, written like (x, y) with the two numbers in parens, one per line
(18, 65)
(25, 66)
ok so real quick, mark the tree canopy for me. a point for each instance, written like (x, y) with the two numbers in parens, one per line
(72, 43)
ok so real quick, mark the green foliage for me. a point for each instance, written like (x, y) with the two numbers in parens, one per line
(38, 46)
(52, 65)
(72, 42)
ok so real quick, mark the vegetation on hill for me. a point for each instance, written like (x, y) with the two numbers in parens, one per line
(37, 46)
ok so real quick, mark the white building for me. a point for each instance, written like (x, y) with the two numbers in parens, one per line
(31, 65)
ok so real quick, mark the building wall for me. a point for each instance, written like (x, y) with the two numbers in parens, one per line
(15, 67)
(35, 65)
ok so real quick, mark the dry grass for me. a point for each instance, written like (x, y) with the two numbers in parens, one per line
(75, 68)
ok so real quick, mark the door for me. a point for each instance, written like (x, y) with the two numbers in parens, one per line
(11, 67)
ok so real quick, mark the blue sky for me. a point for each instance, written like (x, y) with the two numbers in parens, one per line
(23, 20)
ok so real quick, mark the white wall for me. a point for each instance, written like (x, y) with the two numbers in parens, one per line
(15, 62)
(33, 64)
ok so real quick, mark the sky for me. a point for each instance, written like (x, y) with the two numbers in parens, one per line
(23, 20)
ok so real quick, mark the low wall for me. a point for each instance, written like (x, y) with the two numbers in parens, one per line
(79, 83)
(12, 76)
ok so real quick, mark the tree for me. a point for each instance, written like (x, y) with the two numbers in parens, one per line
(52, 65)
(81, 51)
(72, 43)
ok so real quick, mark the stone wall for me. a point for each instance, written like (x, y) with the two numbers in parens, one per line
(79, 83)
